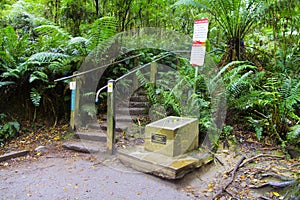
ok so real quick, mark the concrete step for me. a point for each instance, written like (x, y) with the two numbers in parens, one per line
(93, 136)
(85, 146)
(120, 126)
(95, 127)
(128, 118)
(138, 104)
(139, 98)
(131, 111)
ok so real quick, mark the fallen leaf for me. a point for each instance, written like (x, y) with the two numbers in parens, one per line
(276, 194)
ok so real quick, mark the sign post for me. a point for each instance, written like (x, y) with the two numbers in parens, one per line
(73, 103)
(111, 123)
(199, 43)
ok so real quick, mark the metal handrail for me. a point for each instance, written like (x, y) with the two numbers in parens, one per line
(91, 70)
(141, 67)
(98, 93)
(129, 73)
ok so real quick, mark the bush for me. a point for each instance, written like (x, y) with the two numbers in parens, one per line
(7, 129)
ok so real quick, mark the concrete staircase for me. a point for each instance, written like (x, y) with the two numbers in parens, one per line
(93, 138)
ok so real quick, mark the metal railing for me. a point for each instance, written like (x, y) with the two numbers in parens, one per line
(129, 73)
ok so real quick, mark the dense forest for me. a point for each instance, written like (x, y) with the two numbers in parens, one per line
(255, 45)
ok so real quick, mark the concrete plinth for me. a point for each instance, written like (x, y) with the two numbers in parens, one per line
(172, 136)
(161, 165)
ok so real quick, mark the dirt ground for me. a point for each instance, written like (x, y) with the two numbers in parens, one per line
(62, 174)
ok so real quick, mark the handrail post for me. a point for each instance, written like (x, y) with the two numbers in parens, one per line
(153, 72)
(111, 123)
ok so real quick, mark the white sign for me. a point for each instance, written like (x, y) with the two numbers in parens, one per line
(197, 55)
(199, 45)
(73, 85)
(200, 30)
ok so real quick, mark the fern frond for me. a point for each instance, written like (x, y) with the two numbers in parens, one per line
(241, 65)
(53, 30)
(78, 41)
(101, 30)
(46, 57)
(38, 75)
(195, 4)
(151, 90)
(5, 83)
(240, 85)
(35, 97)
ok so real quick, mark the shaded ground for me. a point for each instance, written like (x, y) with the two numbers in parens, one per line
(61, 174)
(79, 176)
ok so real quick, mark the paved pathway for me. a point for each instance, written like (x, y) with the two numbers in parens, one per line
(78, 178)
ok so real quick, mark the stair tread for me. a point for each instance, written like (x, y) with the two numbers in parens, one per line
(93, 136)
(85, 146)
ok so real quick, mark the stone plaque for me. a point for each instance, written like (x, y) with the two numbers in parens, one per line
(157, 138)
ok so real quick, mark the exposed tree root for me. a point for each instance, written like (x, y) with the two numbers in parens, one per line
(255, 157)
(242, 162)
(233, 172)
(282, 178)
(274, 184)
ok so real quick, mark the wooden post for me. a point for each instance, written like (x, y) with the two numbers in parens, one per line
(73, 102)
(111, 123)
(153, 72)
(77, 101)
(135, 79)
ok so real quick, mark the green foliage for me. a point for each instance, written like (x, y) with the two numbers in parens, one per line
(235, 18)
(294, 135)
(4, 83)
(269, 99)
(100, 31)
(7, 129)
(35, 97)
(173, 94)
